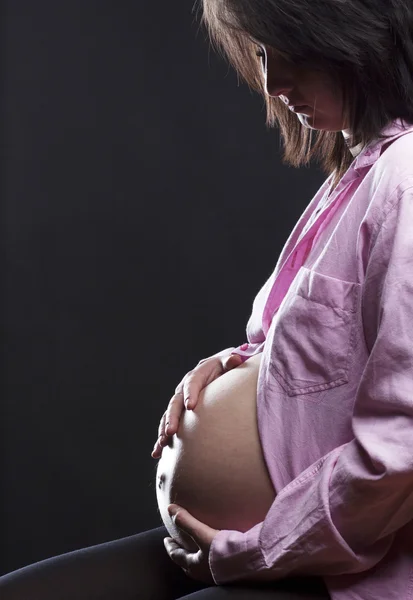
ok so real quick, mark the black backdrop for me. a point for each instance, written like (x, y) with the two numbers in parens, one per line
(136, 171)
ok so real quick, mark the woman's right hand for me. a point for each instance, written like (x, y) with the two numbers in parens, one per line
(206, 371)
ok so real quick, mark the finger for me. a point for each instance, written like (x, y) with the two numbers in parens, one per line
(157, 450)
(160, 443)
(234, 359)
(190, 390)
(178, 554)
(201, 533)
(173, 414)
(161, 428)
(162, 440)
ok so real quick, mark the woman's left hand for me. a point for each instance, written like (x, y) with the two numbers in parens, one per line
(194, 564)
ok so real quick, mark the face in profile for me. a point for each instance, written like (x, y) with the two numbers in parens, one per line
(297, 85)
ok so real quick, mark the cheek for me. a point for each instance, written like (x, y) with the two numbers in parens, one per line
(323, 90)
(334, 103)
(326, 113)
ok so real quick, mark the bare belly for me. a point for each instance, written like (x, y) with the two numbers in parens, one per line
(214, 465)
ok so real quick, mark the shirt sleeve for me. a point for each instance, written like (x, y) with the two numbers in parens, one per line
(245, 351)
(342, 513)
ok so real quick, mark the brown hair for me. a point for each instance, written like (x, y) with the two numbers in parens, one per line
(365, 47)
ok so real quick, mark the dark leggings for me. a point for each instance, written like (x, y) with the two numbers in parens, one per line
(137, 568)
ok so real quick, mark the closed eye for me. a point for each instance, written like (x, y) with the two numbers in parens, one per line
(261, 54)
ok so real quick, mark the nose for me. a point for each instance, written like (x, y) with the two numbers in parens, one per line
(278, 86)
(278, 78)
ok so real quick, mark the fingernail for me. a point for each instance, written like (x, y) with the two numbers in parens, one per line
(173, 509)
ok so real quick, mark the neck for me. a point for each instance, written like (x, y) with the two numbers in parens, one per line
(355, 150)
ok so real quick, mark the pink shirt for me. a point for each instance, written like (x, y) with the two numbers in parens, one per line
(334, 323)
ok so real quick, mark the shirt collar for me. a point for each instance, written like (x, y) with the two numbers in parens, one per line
(370, 154)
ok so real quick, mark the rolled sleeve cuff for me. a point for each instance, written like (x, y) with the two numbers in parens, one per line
(235, 556)
(245, 351)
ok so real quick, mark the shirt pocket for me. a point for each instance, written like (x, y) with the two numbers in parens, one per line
(313, 333)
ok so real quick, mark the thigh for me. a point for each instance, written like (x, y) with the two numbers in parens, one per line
(294, 588)
(131, 568)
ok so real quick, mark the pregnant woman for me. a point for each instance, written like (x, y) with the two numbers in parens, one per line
(292, 466)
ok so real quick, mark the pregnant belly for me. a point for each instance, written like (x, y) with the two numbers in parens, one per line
(214, 465)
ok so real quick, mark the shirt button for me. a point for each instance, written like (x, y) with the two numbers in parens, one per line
(244, 346)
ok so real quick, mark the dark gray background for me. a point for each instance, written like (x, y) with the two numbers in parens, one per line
(143, 205)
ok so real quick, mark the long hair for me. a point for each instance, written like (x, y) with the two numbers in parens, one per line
(365, 46)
